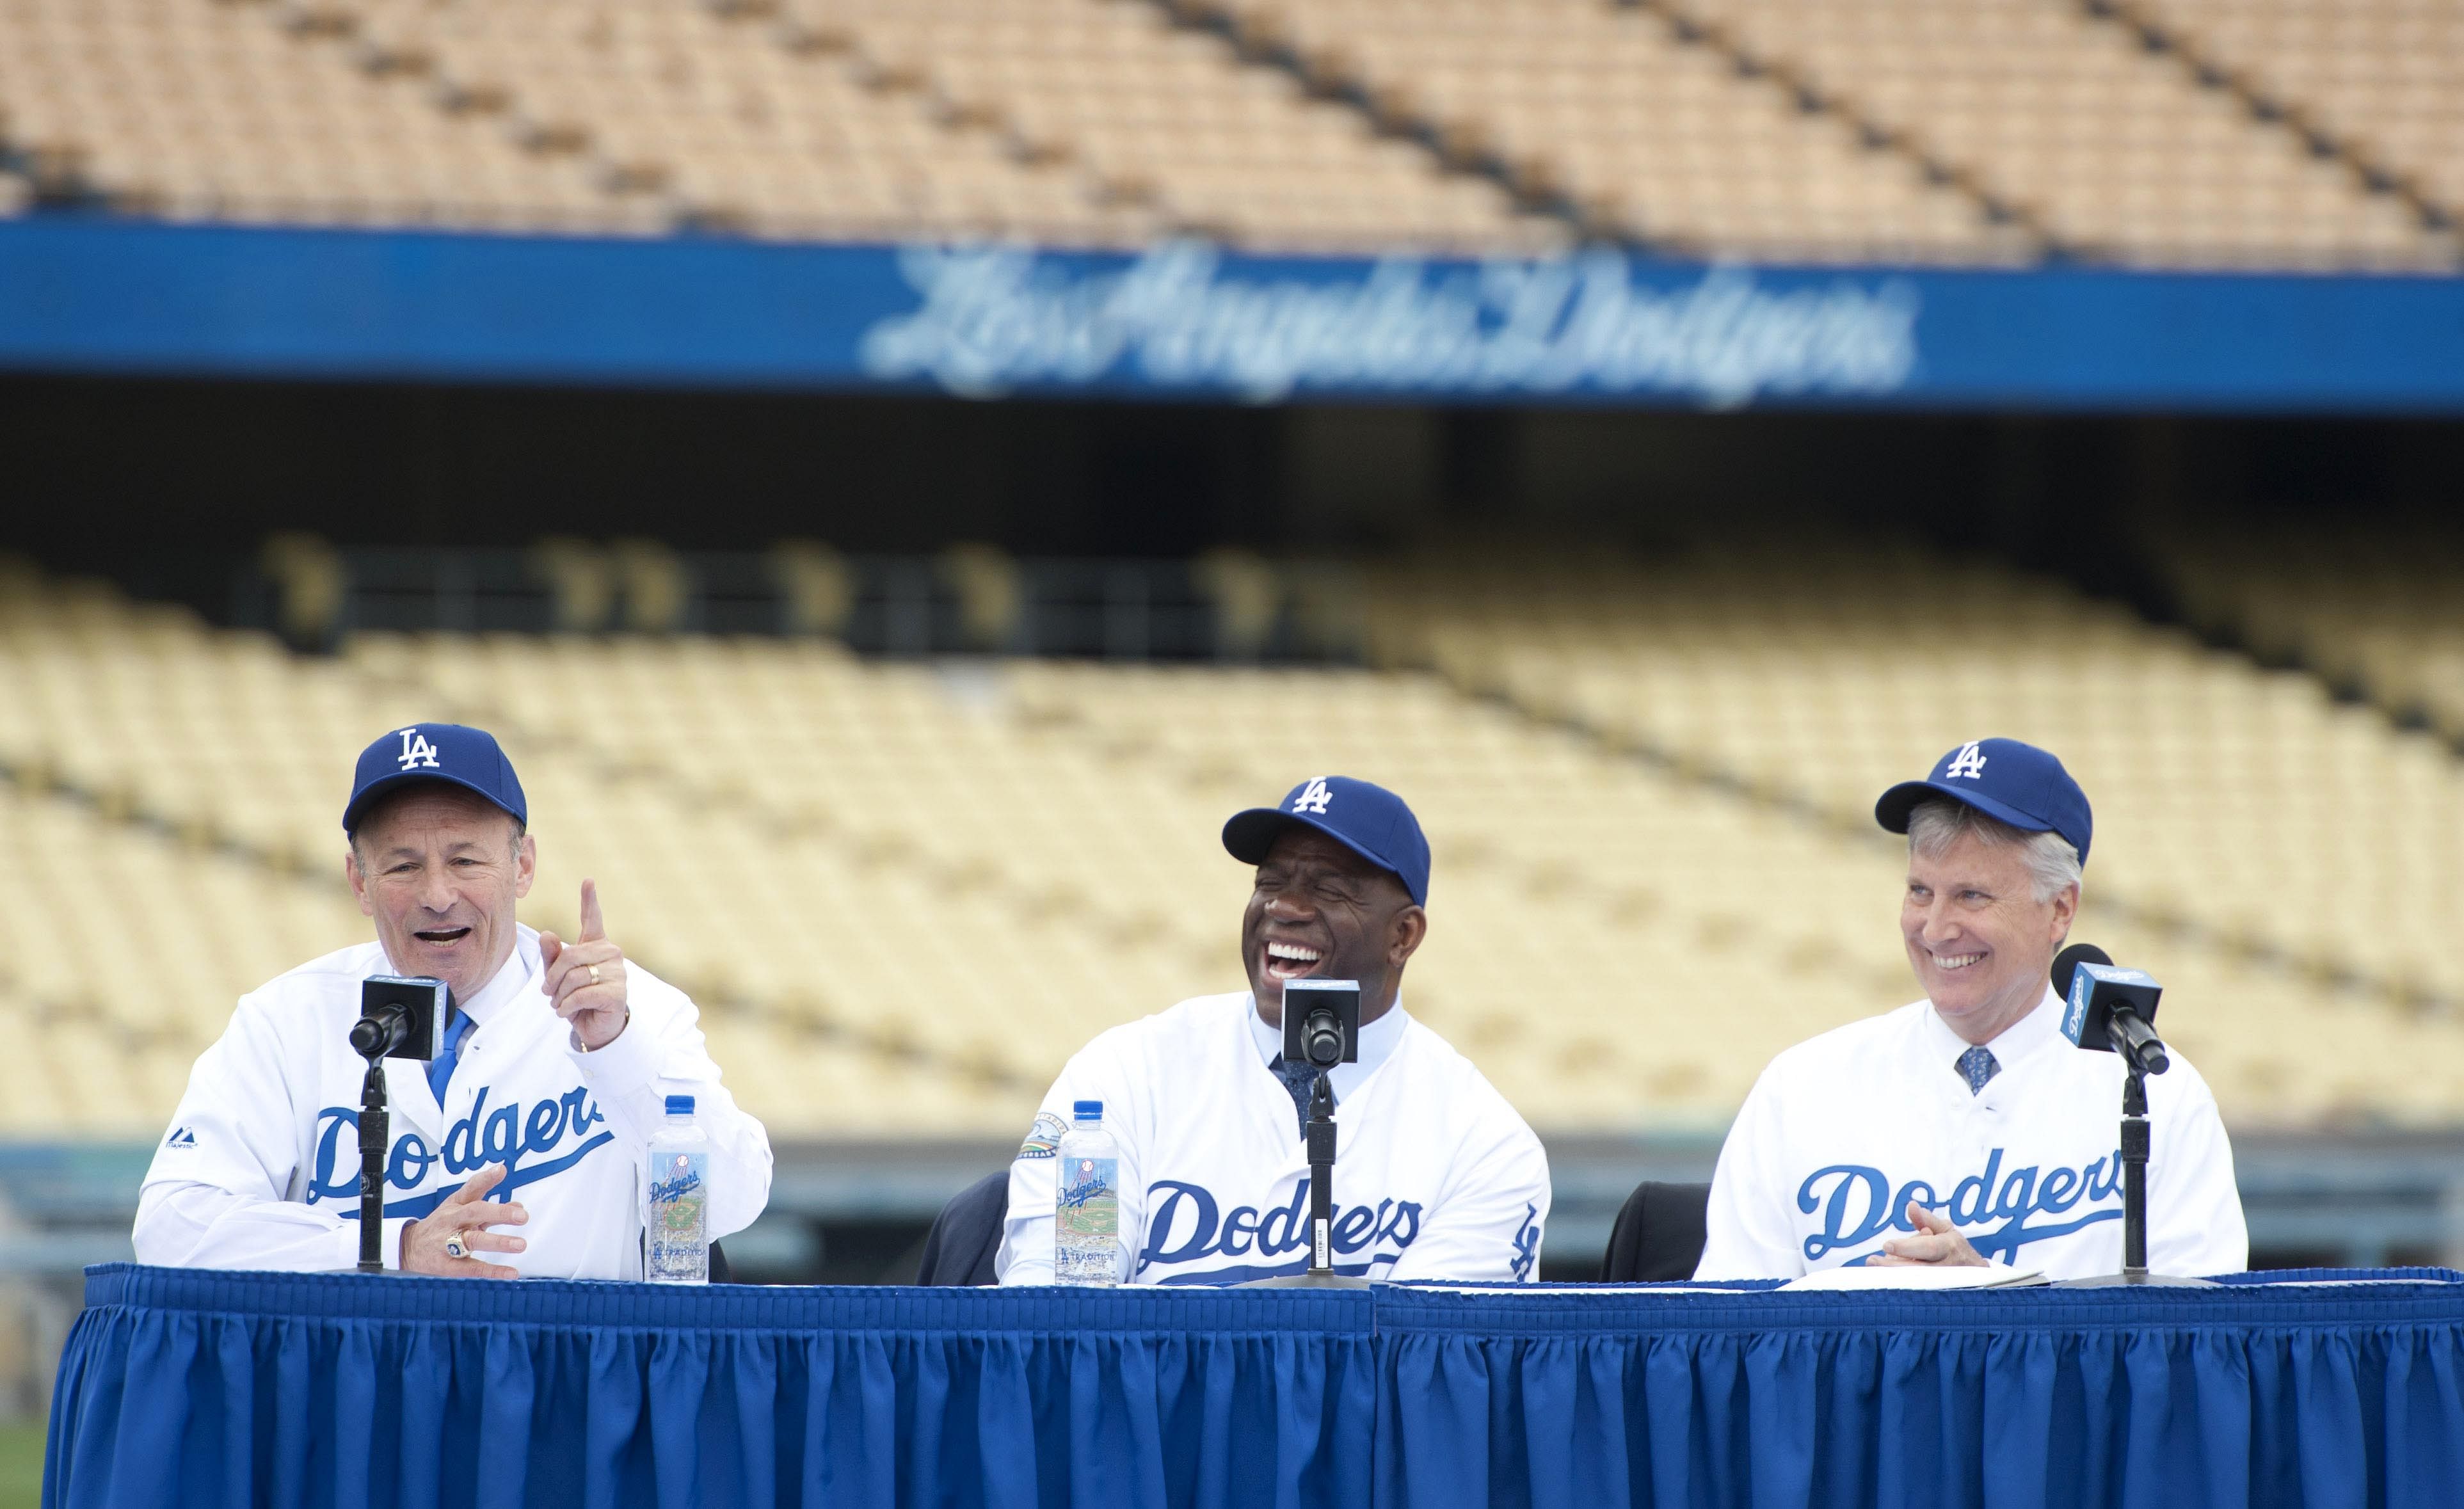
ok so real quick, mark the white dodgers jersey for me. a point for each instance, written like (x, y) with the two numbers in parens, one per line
(1843, 1130)
(1435, 1175)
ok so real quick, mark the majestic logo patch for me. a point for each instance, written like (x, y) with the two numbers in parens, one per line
(417, 753)
(1313, 797)
(1966, 762)
(1043, 1137)
(182, 1139)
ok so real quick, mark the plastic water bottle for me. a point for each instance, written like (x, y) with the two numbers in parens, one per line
(1086, 1204)
(676, 1211)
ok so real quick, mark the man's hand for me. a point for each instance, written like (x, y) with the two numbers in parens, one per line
(1937, 1244)
(464, 1213)
(586, 979)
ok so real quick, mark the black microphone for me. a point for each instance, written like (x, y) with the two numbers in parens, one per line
(379, 1033)
(401, 1017)
(2111, 1010)
(1323, 1035)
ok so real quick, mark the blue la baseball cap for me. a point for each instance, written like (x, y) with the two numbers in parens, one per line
(447, 752)
(2019, 783)
(1368, 819)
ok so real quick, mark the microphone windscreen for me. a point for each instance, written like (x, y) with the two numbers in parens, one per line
(2067, 962)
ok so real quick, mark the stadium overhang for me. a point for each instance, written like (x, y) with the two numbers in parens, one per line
(1191, 321)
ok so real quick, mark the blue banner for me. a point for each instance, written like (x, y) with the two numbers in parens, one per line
(1187, 320)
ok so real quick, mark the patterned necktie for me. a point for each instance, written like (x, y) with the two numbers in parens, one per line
(1976, 1067)
(1299, 1079)
(440, 1069)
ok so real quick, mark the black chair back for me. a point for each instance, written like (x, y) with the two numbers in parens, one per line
(1659, 1234)
(966, 1236)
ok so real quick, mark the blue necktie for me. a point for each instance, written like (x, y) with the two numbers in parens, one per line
(1299, 1079)
(1976, 1067)
(440, 1069)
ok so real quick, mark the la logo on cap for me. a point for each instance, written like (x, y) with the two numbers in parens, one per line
(417, 754)
(1966, 762)
(1313, 797)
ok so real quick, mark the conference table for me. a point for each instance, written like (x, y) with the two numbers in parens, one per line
(196, 1388)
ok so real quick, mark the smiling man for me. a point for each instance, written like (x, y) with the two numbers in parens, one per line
(519, 1150)
(1966, 1128)
(1435, 1175)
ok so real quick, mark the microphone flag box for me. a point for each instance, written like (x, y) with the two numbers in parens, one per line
(2096, 990)
(408, 1013)
(1304, 1000)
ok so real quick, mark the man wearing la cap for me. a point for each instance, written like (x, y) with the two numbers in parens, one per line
(518, 1151)
(1966, 1128)
(1436, 1176)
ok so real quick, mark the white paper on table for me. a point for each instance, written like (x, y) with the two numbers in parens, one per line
(1996, 1276)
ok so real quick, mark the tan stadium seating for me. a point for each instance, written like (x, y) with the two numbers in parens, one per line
(905, 893)
(1174, 114)
(2374, 610)
(193, 109)
(2385, 76)
(646, 115)
(1907, 130)
(730, 122)
(2115, 149)
(1658, 135)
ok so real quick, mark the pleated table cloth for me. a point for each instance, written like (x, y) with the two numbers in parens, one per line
(196, 1388)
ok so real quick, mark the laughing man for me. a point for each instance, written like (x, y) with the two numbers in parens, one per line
(1436, 1176)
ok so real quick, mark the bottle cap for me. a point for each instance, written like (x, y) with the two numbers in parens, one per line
(1090, 1110)
(680, 1106)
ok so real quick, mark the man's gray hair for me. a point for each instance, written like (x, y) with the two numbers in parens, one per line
(2052, 865)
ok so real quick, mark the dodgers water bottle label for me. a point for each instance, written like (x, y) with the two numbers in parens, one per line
(1091, 1200)
(1087, 1220)
(679, 1224)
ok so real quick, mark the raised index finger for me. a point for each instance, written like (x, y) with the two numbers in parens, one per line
(592, 928)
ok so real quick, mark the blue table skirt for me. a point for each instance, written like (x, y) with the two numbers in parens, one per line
(198, 1388)
(202, 1388)
(2256, 1393)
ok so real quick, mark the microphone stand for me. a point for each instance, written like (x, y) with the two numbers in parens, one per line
(2138, 1139)
(1321, 1274)
(1321, 1162)
(376, 1140)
